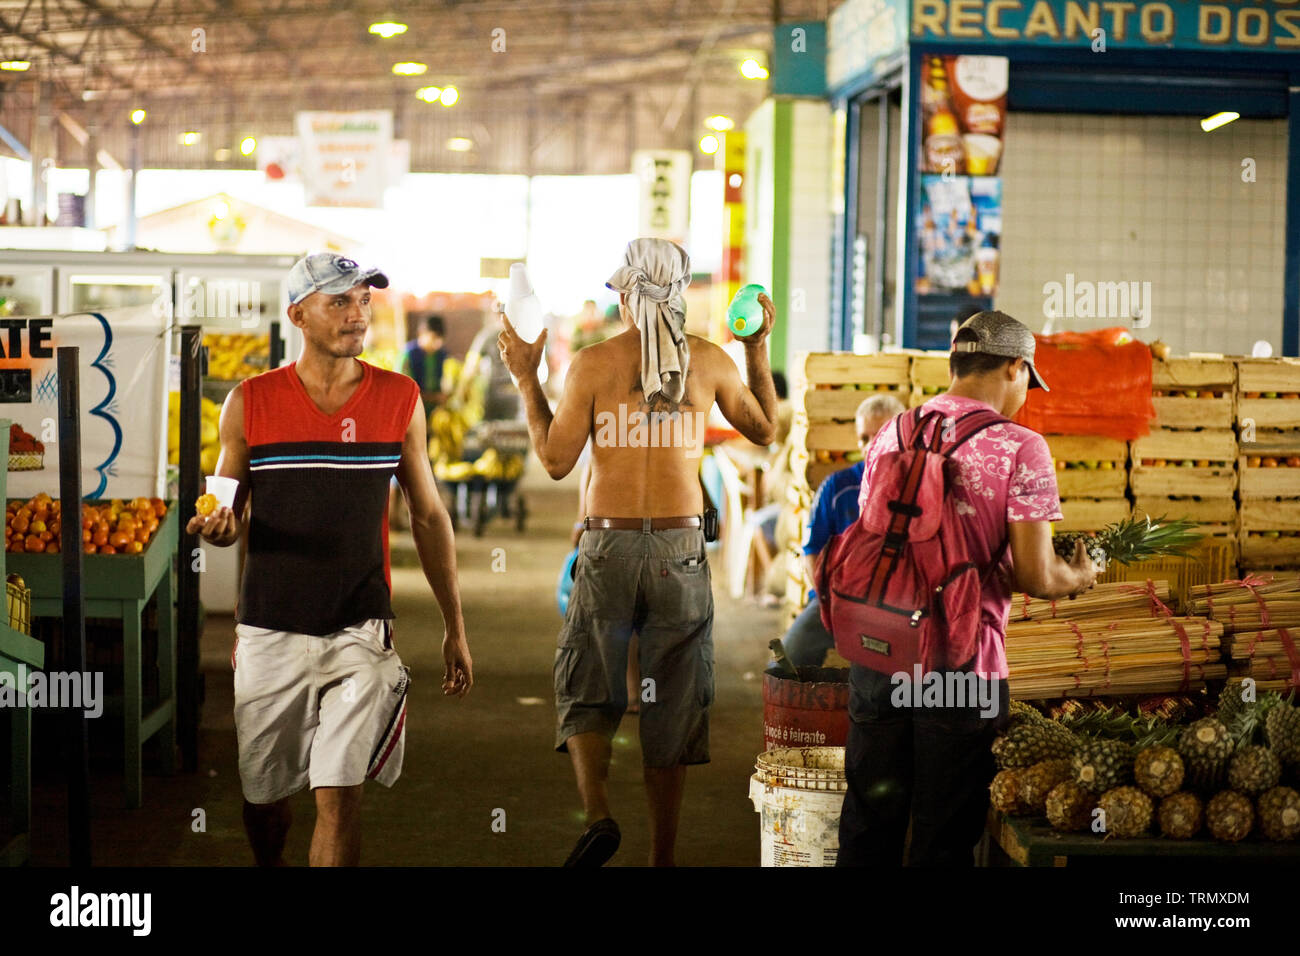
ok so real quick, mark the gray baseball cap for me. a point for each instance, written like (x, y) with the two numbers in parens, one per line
(331, 274)
(1000, 334)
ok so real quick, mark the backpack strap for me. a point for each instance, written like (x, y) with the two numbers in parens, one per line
(968, 426)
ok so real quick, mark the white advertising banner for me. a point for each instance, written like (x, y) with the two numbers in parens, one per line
(123, 360)
(663, 193)
(346, 158)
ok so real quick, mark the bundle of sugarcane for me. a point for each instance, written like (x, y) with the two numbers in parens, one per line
(1257, 590)
(1273, 657)
(1242, 619)
(1134, 656)
(1118, 599)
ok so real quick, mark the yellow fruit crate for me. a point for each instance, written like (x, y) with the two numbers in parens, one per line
(1091, 514)
(1213, 516)
(930, 372)
(1268, 393)
(1269, 476)
(1192, 393)
(1270, 514)
(1209, 481)
(1268, 550)
(1106, 479)
(845, 368)
(821, 404)
(1087, 448)
(1206, 449)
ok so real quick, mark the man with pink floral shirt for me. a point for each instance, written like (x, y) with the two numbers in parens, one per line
(927, 765)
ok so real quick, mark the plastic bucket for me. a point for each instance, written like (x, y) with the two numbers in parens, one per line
(812, 712)
(797, 793)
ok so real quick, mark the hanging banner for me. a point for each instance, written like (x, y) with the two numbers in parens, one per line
(124, 361)
(346, 158)
(664, 193)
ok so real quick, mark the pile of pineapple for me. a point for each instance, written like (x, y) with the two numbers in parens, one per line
(1225, 773)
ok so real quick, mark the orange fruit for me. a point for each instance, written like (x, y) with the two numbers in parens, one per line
(89, 548)
(100, 537)
(36, 525)
(20, 523)
(108, 549)
(159, 506)
(206, 504)
(52, 547)
(142, 534)
(119, 539)
(86, 535)
(55, 526)
(152, 525)
(34, 543)
(44, 536)
(134, 547)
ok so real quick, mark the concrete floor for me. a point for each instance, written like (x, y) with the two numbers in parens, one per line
(464, 759)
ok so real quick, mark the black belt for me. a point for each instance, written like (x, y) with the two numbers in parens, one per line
(641, 524)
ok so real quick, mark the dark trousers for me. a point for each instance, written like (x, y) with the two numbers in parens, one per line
(928, 765)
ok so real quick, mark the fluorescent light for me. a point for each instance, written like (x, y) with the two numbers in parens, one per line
(1217, 120)
(709, 144)
(410, 69)
(459, 144)
(428, 94)
(720, 123)
(247, 145)
(751, 69)
(387, 29)
(16, 66)
(449, 96)
(189, 138)
(137, 117)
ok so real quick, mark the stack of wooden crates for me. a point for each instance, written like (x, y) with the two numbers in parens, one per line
(1268, 431)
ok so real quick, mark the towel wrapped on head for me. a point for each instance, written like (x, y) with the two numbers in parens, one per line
(653, 275)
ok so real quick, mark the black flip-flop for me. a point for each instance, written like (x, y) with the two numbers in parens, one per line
(596, 845)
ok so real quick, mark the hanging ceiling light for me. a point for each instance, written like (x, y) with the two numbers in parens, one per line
(459, 144)
(16, 66)
(410, 69)
(719, 123)
(709, 144)
(137, 116)
(751, 69)
(449, 96)
(387, 29)
(429, 94)
(189, 138)
(247, 145)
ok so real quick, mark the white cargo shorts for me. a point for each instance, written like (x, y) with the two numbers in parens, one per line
(318, 711)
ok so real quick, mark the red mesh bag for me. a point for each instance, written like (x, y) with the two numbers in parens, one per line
(1097, 387)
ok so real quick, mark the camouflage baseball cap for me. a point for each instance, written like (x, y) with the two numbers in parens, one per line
(999, 334)
(331, 274)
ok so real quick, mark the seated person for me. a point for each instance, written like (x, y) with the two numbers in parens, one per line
(834, 508)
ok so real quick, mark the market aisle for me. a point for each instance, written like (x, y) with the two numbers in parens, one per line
(464, 759)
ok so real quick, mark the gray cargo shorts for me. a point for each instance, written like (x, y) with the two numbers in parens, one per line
(655, 584)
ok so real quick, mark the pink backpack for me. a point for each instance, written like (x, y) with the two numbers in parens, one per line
(898, 587)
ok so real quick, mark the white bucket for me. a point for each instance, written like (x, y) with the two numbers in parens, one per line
(798, 794)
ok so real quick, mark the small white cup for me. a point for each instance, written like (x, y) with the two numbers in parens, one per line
(223, 489)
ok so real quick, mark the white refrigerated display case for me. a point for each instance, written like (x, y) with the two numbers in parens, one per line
(26, 290)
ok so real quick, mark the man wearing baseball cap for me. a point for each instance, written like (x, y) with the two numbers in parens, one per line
(320, 693)
(931, 766)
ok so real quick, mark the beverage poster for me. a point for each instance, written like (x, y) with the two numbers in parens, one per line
(963, 111)
(958, 234)
(123, 376)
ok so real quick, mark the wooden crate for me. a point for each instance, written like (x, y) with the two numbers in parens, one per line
(825, 436)
(818, 405)
(1217, 481)
(1204, 392)
(1214, 516)
(1264, 551)
(1214, 559)
(1100, 482)
(1258, 481)
(845, 368)
(1090, 514)
(1270, 514)
(1268, 413)
(1268, 393)
(1087, 448)
(930, 371)
(1214, 446)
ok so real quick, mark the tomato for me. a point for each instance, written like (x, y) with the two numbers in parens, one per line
(108, 549)
(159, 506)
(86, 535)
(134, 547)
(142, 534)
(34, 544)
(52, 547)
(100, 538)
(20, 523)
(89, 548)
(56, 526)
(119, 539)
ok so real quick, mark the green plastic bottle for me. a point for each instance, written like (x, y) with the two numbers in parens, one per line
(745, 315)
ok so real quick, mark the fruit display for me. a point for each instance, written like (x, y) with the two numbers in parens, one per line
(1223, 774)
(112, 527)
(25, 452)
(209, 433)
(236, 356)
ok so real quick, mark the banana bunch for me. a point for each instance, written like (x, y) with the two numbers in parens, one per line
(453, 470)
(237, 356)
(491, 466)
(209, 432)
(447, 428)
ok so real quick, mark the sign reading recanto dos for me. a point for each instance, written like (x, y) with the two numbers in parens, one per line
(1257, 25)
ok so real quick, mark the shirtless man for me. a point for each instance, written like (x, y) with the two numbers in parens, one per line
(641, 564)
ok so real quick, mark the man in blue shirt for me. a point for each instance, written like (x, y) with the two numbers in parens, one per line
(423, 359)
(834, 508)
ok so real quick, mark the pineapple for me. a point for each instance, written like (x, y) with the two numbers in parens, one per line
(1101, 765)
(1131, 540)
(1069, 806)
(1229, 815)
(1159, 771)
(1038, 781)
(1020, 711)
(1128, 811)
(1205, 747)
(1279, 814)
(1031, 741)
(1282, 727)
(1004, 791)
(1253, 770)
(1181, 816)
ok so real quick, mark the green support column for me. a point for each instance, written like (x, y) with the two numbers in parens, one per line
(783, 196)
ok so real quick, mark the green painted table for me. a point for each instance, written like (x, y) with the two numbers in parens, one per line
(17, 650)
(119, 586)
(1031, 841)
